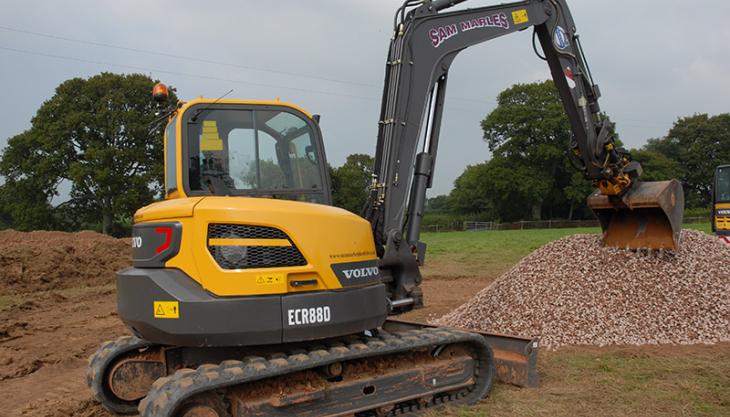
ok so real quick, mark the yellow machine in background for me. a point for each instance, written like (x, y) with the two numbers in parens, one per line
(720, 217)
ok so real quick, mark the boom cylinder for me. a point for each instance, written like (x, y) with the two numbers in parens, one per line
(445, 4)
(422, 173)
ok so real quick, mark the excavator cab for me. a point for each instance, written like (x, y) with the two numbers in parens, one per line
(648, 216)
(252, 150)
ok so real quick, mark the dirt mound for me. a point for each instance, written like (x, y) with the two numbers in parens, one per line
(41, 260)
(574, 291)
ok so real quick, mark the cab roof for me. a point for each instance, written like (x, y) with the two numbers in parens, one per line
(275, 102)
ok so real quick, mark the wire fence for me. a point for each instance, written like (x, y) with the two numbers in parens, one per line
(696, 219)
(474, 226)
(534, 224)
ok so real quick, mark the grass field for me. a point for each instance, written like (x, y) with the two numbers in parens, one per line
(489, 254)
(619, 381)
(581, 380)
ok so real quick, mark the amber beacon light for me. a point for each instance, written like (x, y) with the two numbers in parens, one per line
(160, 93)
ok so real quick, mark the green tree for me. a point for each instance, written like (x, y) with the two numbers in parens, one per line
(697, 144)
(497, 190)
(669, 147)
(469, 195)
(350, 182)
(576, 192)
(439, 204)
(529, 131)
(656, 166)
(30, 184)
(25, 205)
(94, 133)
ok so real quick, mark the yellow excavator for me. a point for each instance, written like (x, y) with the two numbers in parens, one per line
(250, 294)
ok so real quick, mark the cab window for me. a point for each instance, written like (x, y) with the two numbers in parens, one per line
(268, 153)
(170, 157)
(722, 185)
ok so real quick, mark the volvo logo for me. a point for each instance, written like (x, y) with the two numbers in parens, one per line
(371, 271)
(560, 38)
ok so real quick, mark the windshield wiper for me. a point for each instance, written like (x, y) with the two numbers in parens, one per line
(197, 112)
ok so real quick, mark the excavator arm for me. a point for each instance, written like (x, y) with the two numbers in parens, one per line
(425, 42)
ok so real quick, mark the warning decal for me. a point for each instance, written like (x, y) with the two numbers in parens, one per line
(166, 309)
(269, 279)
(520, 16)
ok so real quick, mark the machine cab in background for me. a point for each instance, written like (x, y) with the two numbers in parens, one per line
(266, 149)
(720, 217)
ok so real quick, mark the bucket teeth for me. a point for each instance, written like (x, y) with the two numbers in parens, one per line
(648, 216)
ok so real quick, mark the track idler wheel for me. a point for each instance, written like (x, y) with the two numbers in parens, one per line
(121, 373)
(130, 378)
(332, 371)
(207, 405)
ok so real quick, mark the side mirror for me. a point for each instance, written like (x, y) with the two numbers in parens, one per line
(316, 118)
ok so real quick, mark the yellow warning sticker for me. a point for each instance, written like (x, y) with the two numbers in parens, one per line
(209, 139)
(520, 16)
(166, 309)
(269, 279)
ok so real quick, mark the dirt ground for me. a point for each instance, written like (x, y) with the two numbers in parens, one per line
(57, 304)
(47, 333)
(45, 339)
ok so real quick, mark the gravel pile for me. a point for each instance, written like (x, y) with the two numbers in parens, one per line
(575, 292)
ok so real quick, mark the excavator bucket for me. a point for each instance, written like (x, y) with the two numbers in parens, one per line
(647, 216)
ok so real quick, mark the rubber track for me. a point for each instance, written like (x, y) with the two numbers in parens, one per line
(169, 393)
(100, 361)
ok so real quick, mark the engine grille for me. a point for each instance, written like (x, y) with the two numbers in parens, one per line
(246, 257)
(242, 231)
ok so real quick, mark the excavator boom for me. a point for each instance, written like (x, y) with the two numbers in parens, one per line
(426, 40)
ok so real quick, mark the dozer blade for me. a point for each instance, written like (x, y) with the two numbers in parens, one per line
(648, 216)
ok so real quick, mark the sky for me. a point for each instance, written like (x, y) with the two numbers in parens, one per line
(654, 60)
